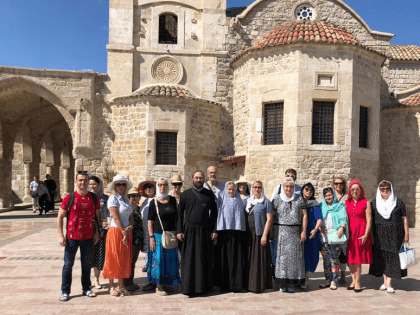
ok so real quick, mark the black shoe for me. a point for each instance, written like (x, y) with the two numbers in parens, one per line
(144, 269)
(358, 290)
(350, 288)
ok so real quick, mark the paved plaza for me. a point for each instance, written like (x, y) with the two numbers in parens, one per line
(30, 277)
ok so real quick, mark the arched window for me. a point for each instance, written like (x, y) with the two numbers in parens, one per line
(168, 29)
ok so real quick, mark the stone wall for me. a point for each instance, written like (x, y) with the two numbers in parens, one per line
(401, 75)
(400, 156)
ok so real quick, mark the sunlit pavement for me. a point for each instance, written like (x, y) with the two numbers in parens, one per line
(30, 278)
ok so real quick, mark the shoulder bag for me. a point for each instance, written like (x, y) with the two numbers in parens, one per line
(169, 240)
(334, 239)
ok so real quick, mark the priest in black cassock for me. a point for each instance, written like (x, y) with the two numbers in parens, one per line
(197, 218)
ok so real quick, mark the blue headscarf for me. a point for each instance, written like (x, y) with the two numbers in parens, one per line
(230, 210)
(337, 210)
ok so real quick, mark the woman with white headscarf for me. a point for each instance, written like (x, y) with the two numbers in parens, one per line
(229, 257)
(292, 222)
(162, 264)
(259, 220)
(390, 230)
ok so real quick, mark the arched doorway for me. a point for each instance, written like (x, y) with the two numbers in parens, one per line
(34, 130)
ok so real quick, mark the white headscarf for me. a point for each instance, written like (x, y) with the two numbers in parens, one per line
(252, 202)
(385, 207)
(158, 193)
(283, 195)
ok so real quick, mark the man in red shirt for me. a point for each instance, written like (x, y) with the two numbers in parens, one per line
(80, 230)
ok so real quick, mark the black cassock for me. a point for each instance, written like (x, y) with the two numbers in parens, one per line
(197, 220)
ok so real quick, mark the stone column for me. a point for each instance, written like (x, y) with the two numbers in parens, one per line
(49, 169)
(27, 180)
(65, 190)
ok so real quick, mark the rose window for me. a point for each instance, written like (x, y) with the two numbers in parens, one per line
(305, 12)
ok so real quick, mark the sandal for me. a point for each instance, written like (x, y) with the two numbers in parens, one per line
(160, 290)
(89, 293)
(124, 292)
(64, 297)
(168, 289)
(149, 287)
(114, 292)
(324, 285)
(333, 285)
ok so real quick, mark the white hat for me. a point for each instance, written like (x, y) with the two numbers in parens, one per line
(118, 178)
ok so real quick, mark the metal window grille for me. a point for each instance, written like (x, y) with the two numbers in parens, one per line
(168, 29)
(273, 123)
(364, 127)
(323, 123)
(166, 148)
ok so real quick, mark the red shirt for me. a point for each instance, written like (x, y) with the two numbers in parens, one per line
(81, 217)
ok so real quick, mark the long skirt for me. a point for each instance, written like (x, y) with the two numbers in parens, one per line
(229, 260)
(311, 252)
(290, 265)
(259, 271)
(386, 263)
(117, 256)
(196, 260)
(162, 264)
(331, 255)
(97, 257)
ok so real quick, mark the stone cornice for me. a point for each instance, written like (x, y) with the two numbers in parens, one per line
(24, 71)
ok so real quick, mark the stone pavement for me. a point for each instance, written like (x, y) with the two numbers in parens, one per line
(30, 277)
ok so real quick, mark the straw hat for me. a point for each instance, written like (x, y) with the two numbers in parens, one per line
(133, 191)
(149, 180)
(176, 179)
(242, 179)
(119, 178)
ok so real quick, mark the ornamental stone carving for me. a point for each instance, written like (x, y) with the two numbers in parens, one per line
(167, 69)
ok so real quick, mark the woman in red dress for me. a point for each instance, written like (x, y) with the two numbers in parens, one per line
(359, 245)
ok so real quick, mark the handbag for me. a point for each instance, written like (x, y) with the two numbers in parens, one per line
(334, 239)
(34, 194)
(169, 240)
(407, 256)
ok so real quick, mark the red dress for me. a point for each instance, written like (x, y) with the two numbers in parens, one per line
(356, 252)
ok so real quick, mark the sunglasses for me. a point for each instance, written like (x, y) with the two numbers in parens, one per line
(177, 184)
(134, 196)
(120, 185)
(336, 184)
(385, 189)
(148, 186)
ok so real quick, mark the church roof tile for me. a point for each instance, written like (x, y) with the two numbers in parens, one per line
(404, 52)
(413, 100)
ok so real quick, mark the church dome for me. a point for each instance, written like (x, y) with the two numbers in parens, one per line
(306, 31)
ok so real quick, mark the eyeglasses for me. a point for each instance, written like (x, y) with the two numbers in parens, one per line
(120, 185)
(148, 186)
(257, 187)
(162, 185)
(177, 184)
(336, 184)
(134, 196)
(355, 189)
(384, 189)
(82, 172)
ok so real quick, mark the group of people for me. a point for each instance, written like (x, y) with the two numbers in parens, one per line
(43, 194)
(228, 236)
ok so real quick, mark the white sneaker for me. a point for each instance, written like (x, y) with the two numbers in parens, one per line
(283, 289)
(390, 290)
(382, 287)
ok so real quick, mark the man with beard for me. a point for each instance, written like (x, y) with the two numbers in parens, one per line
(197, 217)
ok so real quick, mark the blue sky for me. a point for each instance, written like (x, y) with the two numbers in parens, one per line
(72, 34)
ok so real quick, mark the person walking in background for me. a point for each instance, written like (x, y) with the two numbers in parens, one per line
(390, 230)
(118, 241)
(359, 245)
(197, 219)
(43, 197)
(51, 186)
(33, 187)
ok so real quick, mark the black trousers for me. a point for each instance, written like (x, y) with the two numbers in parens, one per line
(43, 203)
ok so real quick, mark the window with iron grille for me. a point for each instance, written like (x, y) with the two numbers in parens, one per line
(168, 29)
(273, 123)
(323, 123)
(166, 148)
(364, 127)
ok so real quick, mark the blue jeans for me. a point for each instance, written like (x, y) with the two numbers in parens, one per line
(69, 256)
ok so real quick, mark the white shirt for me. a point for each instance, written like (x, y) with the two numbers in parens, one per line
(216, 190)
(34, 185)
(124, 207)
(277, 188)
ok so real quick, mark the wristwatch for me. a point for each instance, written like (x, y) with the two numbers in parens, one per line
(150, 236)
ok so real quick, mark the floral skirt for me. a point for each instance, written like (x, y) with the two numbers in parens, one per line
(163, 264)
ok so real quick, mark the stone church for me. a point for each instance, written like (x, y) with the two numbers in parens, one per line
(253, 90)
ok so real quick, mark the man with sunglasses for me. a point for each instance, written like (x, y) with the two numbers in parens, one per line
(290, 172)
(80, 233)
